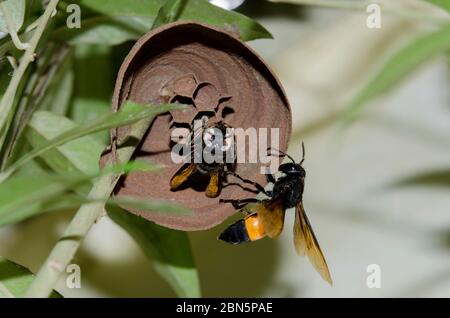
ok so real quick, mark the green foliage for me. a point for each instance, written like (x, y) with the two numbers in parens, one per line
(445, 4)
(48, 165)
(4, 78)
(15, 280)
(128, 114)
(104, 30)
(59, 93)
(79, 155)
(92, 64)
(169, 12)
(169, 250)
(55, 114)
(12, 13)
(113, 22)
(26, 195)
(399, 65)
(22, 197)
(440, 178)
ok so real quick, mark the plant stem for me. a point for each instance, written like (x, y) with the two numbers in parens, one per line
(7, 101)
(86, 216)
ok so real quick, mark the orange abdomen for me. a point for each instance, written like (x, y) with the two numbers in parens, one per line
(255, 229)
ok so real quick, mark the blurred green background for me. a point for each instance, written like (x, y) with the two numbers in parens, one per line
(377, 187)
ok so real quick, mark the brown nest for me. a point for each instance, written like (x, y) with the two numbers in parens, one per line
(209, 70)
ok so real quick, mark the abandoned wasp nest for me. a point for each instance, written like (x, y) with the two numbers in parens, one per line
(210, 71)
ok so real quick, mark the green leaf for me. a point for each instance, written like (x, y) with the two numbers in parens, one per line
(15, 280)
(128, 114)
(445, 4)
(33, 168)
(93, 65)
(439, 178)
(12, 15)
(58, 97)
(81, 154)
(13, 10)
(104, 30)
(85, 109)
(142, 8)
(113, 22)
(130, 166)
(26, 101)
(399, 65)
(169, 12)
(4, 77)
(70, 201)
(169, 249)
(204, 12)
(26, 195)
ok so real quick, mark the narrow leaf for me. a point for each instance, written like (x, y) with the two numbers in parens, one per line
(81, 154)
(59, 94)
(12, 14)
(445, 4)
(169, 12)
(104, 30)
(399, 65)
(27, 195)
(70, 201)
(92, 64)
(5, 68)
(117, 22)
(129, 113)
(15, 280)
(169, 250)
(24, 196)
(439, 178)
(14, 10)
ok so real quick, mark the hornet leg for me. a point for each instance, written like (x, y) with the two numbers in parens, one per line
(239, 204)
(255, 184)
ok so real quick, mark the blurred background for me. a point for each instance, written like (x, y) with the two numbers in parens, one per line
(377, 190)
